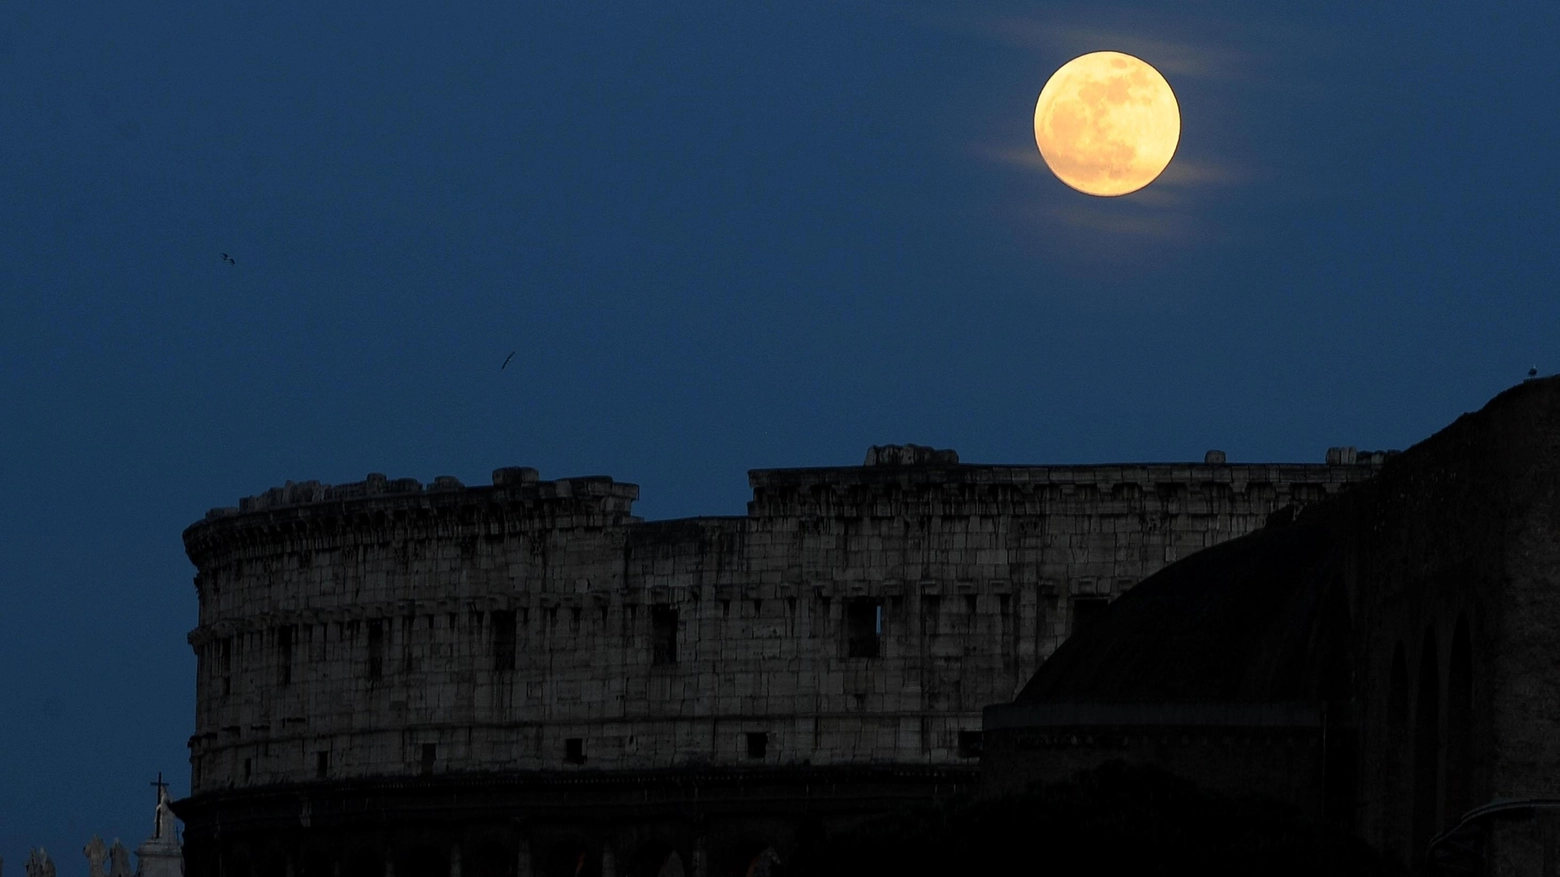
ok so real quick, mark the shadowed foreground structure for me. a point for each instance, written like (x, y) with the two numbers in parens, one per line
(1388, 662)
(1113, 819)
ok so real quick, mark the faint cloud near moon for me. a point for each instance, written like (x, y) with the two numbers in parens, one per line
(1179, 173)
(1194, 53)
(1164, 209)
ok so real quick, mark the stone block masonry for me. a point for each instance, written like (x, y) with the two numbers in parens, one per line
(855, 616)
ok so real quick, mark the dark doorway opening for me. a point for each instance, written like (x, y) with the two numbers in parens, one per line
(864, 627)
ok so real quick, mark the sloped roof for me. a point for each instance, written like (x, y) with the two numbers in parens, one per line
(1239, 622)
(1265, 618)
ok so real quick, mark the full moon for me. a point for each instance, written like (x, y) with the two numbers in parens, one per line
(1107, 123)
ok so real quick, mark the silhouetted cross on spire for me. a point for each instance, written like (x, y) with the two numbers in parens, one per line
(162, 791)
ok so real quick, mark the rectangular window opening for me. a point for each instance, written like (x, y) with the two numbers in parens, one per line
(321, 765)
(408, 656)
(663, 635)
(574, 750)
(376, 649)
(249, 768)
(863, 627)
(757, 744)
(430, 754)
(969, 744)
(284, 654)
(503, 639)
(225, 663)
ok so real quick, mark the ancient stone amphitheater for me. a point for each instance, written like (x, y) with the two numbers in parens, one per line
(397, 680)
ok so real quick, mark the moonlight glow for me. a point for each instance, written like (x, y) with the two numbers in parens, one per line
(1107, 123)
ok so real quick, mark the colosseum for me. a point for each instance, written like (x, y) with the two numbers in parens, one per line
(399, 680)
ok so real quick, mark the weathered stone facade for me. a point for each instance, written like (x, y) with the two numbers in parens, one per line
(845, 634)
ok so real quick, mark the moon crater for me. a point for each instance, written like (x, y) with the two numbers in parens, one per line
(1107, 123)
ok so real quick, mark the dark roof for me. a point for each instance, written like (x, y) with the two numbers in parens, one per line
(1265, 617)
(1238, 622)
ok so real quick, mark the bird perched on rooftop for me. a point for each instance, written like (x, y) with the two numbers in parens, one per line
(229, 259)
(506, 360)
(1533, 372)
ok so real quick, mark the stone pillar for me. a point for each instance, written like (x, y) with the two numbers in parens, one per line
(523, 857)
(608, 861)
(389, 862)
(455, 859)
(701, 857)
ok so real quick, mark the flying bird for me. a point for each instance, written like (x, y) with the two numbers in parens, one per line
(1533, 372)
(506, 360)
(229, 259)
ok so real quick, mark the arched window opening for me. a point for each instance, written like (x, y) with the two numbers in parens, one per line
(316, 863)
(363, 863)
(672, 867)
(656, 859)
(424, 861)
(571, 859)
(1459, 723)
(1340, 767)
(1394, 800)
(1427, 745)
(237, 861)
(489, 859)
(765, 863)
(754, 858)
(271, 862)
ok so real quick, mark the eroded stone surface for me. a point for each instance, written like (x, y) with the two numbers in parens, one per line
(856, 615)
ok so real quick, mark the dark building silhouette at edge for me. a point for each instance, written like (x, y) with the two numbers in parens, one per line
(1388, 660)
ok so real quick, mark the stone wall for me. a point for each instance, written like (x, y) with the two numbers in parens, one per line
(855, 616)
(1456, 583)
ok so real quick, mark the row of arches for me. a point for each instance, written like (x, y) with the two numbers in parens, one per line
(1428, 764)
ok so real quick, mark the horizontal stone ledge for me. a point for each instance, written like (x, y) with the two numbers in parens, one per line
(586, 726)
(712, 775)
(1119, 715)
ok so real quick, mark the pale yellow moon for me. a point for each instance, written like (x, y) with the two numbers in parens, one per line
(1107, 123)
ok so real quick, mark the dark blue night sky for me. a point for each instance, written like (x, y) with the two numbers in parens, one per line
(717, 238)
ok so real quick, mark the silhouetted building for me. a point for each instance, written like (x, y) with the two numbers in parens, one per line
(1389, 659)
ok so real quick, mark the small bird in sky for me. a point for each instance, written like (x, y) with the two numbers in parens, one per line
(229, 259)
(506, 360)
(1533, 372)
